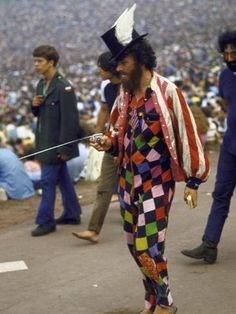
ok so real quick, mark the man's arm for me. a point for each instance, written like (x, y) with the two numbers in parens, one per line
(224, 104)
(36, 103)
(69, 120)
(103, 117)
(193, 158)
(37, 100)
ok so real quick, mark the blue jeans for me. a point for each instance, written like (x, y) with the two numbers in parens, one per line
(53, 174)
(224, 188)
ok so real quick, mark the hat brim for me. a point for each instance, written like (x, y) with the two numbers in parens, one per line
(118, 56)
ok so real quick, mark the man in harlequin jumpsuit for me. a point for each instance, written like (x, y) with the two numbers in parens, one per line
(157, 143)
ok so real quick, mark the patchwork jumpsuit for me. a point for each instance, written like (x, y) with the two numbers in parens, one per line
(146, 190)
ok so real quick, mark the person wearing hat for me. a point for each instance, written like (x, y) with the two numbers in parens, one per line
(157, 144)
(107, 182)
(55, 107)
(226, 170)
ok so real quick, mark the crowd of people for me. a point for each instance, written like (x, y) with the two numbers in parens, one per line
(183, 34)
(152, 138)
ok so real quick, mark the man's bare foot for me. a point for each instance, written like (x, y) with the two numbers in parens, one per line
(161, 310)
(91, 236)
(165, 310)
(114, 198)
(146, 311)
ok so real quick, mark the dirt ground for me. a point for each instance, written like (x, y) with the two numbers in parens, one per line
(15, 212)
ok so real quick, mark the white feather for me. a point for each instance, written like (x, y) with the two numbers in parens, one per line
(124, 26)
(120, 17)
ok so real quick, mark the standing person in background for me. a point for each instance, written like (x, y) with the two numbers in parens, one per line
(108, 179)
(226, 172)
(156, 140)
(55, 107)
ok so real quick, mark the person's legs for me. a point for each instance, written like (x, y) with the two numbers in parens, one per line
(49, 178)
(145, 224)
(150, 237)
(72, 209)
(224, 188)
(105, 189)
(130, 222)
(150, 292)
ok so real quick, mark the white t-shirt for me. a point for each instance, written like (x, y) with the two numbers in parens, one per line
(102, 87)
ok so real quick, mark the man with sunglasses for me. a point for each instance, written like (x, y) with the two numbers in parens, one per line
(226, 172)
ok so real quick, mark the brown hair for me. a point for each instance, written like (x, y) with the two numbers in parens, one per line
(47, 52)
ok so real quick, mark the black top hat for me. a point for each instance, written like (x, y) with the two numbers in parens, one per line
(122, 35)
(116, 48)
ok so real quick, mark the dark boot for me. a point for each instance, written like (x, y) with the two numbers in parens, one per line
(206, 251)
(42, 230)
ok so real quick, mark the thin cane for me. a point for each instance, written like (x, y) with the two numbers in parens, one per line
(96, 137)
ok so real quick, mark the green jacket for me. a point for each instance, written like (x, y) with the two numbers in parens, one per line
(58, 119)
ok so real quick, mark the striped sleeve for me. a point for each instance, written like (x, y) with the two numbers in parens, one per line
(194, 160)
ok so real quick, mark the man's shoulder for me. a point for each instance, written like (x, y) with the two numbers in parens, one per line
(111, 87)
(224, 71)
(7, 155)
(159, 81)
(104, 84)
(227, 78)
(64, 83)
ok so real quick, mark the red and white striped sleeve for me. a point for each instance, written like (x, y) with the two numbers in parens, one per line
(191, 153)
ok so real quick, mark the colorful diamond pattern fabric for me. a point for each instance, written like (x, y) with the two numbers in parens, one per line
(146, 189)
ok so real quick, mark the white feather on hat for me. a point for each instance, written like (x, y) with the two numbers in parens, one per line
(124, 26)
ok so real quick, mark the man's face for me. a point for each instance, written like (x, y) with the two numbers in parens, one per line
(130, 72)
(42, 65)
(229, 55)
(105, 75)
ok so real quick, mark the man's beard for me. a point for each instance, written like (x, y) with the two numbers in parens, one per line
(133, 82)
(231, 65)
